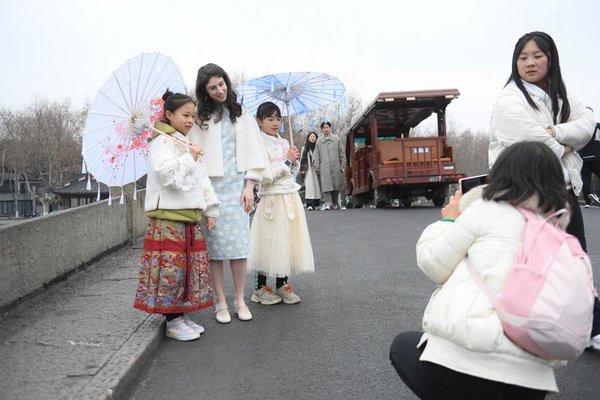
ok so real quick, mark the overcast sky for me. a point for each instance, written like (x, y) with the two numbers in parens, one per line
(61, 49)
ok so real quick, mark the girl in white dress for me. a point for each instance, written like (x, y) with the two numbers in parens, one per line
(279, 239)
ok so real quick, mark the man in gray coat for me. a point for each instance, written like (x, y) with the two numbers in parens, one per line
(330, 165)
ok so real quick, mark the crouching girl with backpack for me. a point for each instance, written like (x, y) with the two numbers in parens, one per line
(464, 352)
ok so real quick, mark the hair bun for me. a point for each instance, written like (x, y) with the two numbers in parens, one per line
(167, 94)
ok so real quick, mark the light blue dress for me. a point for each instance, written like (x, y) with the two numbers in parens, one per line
(229, 239)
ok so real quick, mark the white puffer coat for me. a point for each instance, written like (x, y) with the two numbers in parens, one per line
(514, 120)
(462, 330)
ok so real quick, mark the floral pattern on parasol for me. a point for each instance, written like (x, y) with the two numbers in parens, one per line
(115, 138)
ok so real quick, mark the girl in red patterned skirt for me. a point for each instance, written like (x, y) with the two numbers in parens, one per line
(174, 276)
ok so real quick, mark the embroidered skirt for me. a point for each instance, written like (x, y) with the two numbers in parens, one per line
(279, 239)
(174, 275)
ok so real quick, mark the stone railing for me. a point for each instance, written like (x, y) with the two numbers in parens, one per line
(38, 251)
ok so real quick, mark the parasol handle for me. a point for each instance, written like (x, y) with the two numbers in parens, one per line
(289, 118)
(177, 141)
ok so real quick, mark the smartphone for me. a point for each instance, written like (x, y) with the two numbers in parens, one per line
(469, 183)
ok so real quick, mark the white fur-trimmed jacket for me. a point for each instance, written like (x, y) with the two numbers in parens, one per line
(514, 120)
(250, 155)
(175, 180)
(281, 177)
(462, 329)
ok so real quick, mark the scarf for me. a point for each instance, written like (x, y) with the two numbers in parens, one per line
(162, 126)
(308, 147)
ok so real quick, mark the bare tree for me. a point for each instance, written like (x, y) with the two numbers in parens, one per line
(341, 115)
(42, 142)
(470, 151)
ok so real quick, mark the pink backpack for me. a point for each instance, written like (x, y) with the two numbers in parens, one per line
(547, 301)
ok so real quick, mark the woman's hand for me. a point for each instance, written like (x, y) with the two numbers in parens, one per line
(568, 149)
(247, 198)
(451, 210)
(293, 154)
(210, 223)
(196, 151)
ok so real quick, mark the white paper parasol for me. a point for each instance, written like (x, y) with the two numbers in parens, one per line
(115, 138)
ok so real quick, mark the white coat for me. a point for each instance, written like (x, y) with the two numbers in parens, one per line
(250, 153)
(312, 187)
(282, 177)
(514, 120)
(175, 180)
(462, 330)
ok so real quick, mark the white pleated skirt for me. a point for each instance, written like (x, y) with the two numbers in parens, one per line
(279, 239)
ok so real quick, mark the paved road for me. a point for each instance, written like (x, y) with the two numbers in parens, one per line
(334, 345)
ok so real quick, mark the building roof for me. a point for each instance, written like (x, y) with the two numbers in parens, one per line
(79, 187)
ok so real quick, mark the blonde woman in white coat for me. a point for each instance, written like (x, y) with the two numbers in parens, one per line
(534, 105)
(464, 349)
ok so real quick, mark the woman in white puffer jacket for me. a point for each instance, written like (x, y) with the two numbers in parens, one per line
(464, 353)
(534, 105)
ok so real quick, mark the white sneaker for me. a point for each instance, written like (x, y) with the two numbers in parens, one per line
(309, 208)
(595, 343)
(193, 325)
(286, 292)
(177, 329)
(265, 296)
(594, 199)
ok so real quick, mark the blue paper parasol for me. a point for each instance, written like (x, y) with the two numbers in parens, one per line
(294, 92)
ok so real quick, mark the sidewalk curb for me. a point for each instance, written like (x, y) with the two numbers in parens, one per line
(114, 378)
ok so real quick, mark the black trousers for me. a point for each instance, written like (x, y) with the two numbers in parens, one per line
(313, 202)
(577, 229)
(431, 381)
(588, 168)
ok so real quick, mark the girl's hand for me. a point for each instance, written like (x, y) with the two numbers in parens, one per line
(451, 210)
(247, 198)
(293, 154)
(196, 151)
(210, 223)
(568, 149)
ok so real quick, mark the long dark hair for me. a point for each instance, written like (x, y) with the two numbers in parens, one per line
(206, 105)
(308, 147)
(555, 85)
(526, 169)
